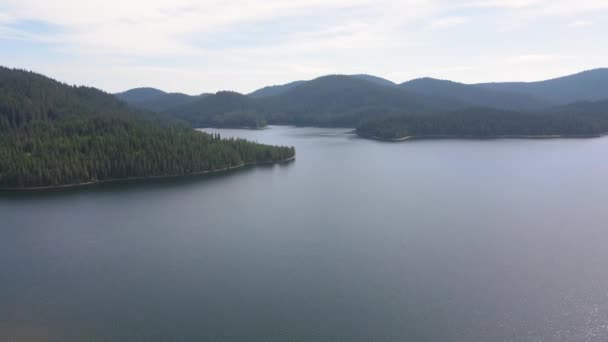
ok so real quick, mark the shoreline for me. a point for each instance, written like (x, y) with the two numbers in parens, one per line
(245, 128)
(472, 137)
(113, 180)
(436, 136)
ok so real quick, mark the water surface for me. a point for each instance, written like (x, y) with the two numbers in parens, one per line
(357, 240)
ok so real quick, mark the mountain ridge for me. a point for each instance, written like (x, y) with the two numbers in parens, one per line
(588, 85)
(347, 100)
(475, 95)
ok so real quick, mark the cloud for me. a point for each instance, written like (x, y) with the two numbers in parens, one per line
(544, 7)
(203, 45)
(503, 4)
(166, 27)
(535, 58)
(4, 18)
(447, 22)
(522, 14)
(580, 23)
(160, 26)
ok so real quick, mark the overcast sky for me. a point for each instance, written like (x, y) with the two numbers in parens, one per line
(208, 45)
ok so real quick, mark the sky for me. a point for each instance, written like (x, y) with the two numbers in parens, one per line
(210, 45)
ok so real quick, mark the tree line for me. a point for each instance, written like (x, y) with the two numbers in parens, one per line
(581, 120)
(55, 134)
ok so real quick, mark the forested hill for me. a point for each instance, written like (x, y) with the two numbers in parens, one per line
(27, 97)
(53, 134)
(591, 85)
(156, 100)
(350, 100)
(224, 109)
(326, 101)
(140, 95)
(374, 79)
(585, 119)
(275, 89)
(476, 96)
(345, 101)
(280, 89)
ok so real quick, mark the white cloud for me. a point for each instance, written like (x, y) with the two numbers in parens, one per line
(580, 23)
(159, 26)
(8, 32)
(536, 58)
(506, 4)
(540, 7)
(117, 44)
(447, 22)
(4, 18)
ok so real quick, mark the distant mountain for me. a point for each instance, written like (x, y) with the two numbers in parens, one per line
(223, 109)
(374, 79)
(476, 96)
(167, 101)
(275, 89)
(156, 100)
(340, 100)
(280, 89)
(589, 85)
(139, 95)
(348, 100)
(335, 100)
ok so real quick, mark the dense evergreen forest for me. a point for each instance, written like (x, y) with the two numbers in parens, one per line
(156, 100)
(224, 109)
(54, 134)
(584, 119)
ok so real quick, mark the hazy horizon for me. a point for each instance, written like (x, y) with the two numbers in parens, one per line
(205, 46)
(335, 74)
(271, 85)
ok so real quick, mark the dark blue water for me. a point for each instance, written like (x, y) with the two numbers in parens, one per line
(357, 240)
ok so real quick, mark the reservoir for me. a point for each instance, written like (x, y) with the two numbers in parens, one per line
(355, 240)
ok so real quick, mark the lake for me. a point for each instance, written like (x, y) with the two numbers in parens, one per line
(356, 240)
